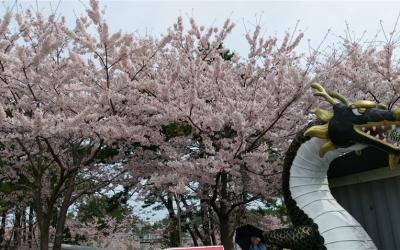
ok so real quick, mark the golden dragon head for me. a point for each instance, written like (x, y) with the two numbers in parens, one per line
(364, 122)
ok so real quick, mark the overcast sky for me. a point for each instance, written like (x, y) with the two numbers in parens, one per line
(316, 18)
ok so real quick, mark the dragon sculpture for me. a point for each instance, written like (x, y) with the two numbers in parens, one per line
(319, 221)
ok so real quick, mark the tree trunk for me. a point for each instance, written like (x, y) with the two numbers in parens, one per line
(63, 214)
(23, 224)
(17, 227)
(44, 227)
(205, 217)
(197, 234)
(173, 227)
(3, 225)
(192, 235)
(224, 215)
(212, 228)
(226, 233)
(44, 220)
(30, 227)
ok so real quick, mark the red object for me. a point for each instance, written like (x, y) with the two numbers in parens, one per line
(197, 248)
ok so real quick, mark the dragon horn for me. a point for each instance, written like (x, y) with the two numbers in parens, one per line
(320, 91)
(339, 97)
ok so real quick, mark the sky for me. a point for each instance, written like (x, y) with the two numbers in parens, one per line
(315, 17)
(275, 17)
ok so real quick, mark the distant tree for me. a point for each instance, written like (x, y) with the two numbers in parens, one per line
(99, 209)
(101, 206)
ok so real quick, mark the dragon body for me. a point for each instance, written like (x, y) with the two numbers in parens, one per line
(318, 220)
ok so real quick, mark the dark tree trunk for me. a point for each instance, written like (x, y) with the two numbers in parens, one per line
(30, 227)
(44, 227)
(205, 216)
(44, 220)
(226, 233)
(192, 235)
(23, 224)
(17, 227)
(3, 226)
(224, 215)
(212, 228)
(197, 234)
(173, 227)
(62, 216)
(174, 235)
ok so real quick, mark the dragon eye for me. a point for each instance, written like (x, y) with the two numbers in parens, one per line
(358, 111)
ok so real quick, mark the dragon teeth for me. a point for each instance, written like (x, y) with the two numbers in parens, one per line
(363, 128)
(393, 126)
(368, 132)
(373, 128)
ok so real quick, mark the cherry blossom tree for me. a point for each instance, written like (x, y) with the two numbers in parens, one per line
(363, 69)
(64, 106)
(232, 116)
